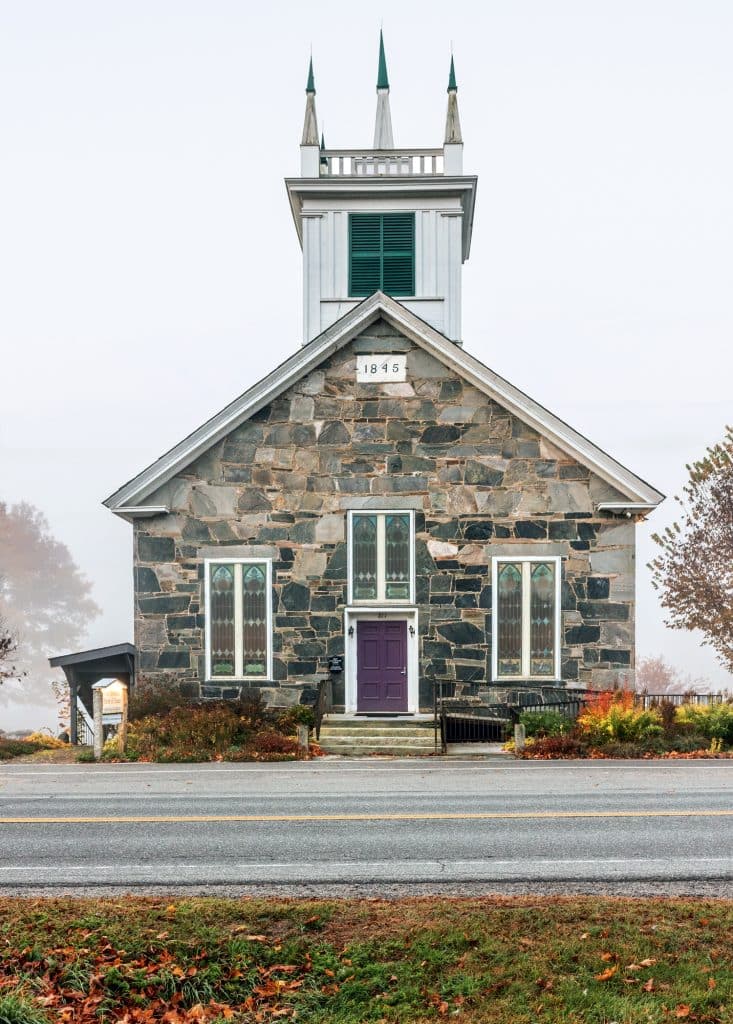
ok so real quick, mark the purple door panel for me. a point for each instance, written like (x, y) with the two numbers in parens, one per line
(381, 671)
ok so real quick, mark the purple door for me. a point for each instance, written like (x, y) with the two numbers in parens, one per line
(381, 668)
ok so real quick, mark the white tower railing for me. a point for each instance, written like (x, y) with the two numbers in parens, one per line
(360, 163)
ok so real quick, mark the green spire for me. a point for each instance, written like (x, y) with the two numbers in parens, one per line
(382, 79)
(452, 87)
(323, 142)
(311, 86)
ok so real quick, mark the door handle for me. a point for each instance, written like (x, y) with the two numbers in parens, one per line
(403, 672)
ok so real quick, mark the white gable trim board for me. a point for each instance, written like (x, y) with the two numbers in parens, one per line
(130, 500)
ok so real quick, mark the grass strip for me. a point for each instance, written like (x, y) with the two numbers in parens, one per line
(499, 959)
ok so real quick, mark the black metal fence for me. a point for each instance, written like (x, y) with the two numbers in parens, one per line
(652, 700)
(469, 720)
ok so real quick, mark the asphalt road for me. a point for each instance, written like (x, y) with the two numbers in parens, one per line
(369, 827)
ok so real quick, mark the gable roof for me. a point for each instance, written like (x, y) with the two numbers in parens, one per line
(129, 500)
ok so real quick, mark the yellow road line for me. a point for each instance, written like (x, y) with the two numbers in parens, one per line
(426, 816)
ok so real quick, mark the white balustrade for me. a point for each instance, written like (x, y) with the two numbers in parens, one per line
(357, 163)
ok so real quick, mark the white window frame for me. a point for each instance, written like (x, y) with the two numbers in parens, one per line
(381, 515)
(239, 675)
(525, 560)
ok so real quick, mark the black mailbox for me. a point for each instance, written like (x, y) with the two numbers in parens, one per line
(336, 665)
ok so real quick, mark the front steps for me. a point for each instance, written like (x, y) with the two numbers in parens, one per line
(357, 737)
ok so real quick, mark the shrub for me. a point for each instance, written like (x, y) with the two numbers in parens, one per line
(270, 742)
(553, 748)
(610, 716)
(195, 732)
(545, 723)
(299, 714)
(154, 698)
(46, 741)
(713, 721)
(17, 748)
(214, 730)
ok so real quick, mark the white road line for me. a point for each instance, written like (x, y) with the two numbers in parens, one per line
(347, 869)
(103, 772)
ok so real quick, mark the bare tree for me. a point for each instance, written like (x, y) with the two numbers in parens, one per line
(8, 647)
(694, 570)
(656, 675)
(44, 600)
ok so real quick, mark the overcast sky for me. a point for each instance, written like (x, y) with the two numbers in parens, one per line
(150, 270)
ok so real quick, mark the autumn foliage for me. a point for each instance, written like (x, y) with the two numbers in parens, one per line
(693, 570)
(615, 723)
(163, 728)
(496, 959)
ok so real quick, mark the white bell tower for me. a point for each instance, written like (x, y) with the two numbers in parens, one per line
(385, 219)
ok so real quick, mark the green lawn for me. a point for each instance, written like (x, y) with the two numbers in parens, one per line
(493, 959)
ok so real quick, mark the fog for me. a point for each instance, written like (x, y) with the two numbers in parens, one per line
(150, 270)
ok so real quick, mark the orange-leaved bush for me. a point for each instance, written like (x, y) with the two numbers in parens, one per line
(611, 717)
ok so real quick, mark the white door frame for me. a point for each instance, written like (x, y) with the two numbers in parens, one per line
(390, 614)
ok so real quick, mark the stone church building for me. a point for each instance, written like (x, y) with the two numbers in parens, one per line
(382, 495)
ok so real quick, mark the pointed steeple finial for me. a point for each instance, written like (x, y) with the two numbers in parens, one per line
(382, 78)
(452, 120)
(310, 124)
(452, 87)
(383, 125)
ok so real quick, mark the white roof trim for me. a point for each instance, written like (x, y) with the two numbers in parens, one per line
(130, 512)
(134, 493)
(625, 506)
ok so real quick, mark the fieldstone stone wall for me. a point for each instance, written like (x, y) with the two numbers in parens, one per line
(482, 483)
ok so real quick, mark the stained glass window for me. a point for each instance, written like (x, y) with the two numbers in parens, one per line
(238, 619)
(526, 617)
(222, 620)
(397, 558)
(254, 620)
(364, 558)
(509, 626)
(381, 556)
(542, 619)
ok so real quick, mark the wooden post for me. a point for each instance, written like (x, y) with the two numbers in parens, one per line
(122, 731)
(73, 707)
(98, 726)
(520, 736)
(303, 732)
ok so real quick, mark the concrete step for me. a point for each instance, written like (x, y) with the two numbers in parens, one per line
(362, 750)
(382, 741)
(362, 736)
(398, 735)
(377, 723)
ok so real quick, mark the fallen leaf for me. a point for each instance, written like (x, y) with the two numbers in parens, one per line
(605, 975)
(711, 983)
(606, 957)
(649, 962)
(683, 1010)
(649, 985)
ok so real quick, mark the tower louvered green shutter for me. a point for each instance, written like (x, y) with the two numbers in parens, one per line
(382, 253)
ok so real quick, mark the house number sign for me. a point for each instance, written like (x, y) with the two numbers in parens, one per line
(379, 368)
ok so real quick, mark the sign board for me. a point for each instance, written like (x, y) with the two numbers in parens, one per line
(381, 369)
(113, 696)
